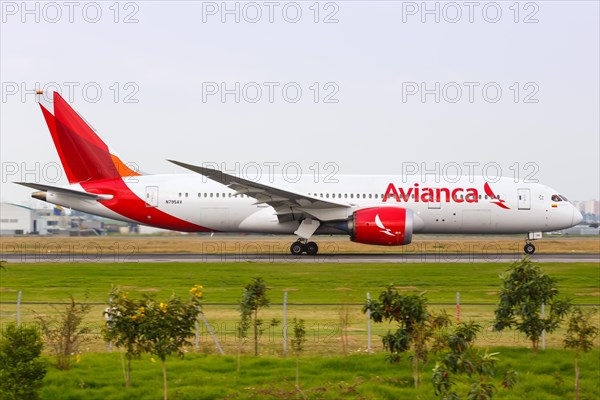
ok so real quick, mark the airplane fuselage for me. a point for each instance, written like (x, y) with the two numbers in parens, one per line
(459, 206)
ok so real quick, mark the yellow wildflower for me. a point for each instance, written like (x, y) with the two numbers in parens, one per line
(196, 291)
(163, 307)
(78, 358)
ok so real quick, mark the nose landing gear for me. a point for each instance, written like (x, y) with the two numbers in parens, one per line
(529, 248)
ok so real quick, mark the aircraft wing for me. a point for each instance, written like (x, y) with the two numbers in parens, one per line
(70, 192)
(284, 202)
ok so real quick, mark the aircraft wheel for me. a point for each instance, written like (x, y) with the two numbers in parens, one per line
(529, 248)
(297, 248)
(312, 248)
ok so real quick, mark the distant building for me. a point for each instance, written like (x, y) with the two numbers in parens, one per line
(590, 209)
(20, 220)
(581, 230)
(15, 219)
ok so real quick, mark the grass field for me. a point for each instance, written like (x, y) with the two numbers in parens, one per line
(544, 376)
(319, 293)
(322, 294)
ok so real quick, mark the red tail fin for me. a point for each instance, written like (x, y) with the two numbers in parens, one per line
(84, 156)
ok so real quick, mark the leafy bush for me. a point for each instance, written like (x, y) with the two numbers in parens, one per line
(21, 370)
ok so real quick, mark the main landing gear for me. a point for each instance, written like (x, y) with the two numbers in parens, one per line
(303, 246)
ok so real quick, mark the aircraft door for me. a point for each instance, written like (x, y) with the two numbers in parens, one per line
(524, 199)
(151, 196)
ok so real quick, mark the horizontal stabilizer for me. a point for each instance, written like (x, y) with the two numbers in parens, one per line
(70, 192)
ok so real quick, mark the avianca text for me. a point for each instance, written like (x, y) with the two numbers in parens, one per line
(427, 195)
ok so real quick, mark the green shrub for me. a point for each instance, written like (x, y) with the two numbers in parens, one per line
(21, 370)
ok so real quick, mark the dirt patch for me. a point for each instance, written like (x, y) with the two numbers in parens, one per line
(3, 289)
(342, 289)
(406, 288)
(148, 290)
(595, 294)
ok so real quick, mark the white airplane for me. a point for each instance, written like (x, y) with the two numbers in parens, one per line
(377, 210)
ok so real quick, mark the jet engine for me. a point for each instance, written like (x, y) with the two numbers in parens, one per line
(385, 226)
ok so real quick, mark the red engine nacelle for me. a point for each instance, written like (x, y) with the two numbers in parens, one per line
(387, 226)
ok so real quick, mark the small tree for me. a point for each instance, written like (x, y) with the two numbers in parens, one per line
(253, 299)
(123, 321)
(416, 326)
(21, 370)
(297, 342)
(524, 289)
(166, 327)
(580, 337)
(64, 333)
(461, 358)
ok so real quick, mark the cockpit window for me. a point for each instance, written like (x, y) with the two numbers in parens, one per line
(556, 198)
(563, 197)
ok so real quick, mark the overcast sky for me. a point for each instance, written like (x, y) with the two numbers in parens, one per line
(371, 87)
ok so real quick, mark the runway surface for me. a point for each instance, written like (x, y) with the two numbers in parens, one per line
(441, 257)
